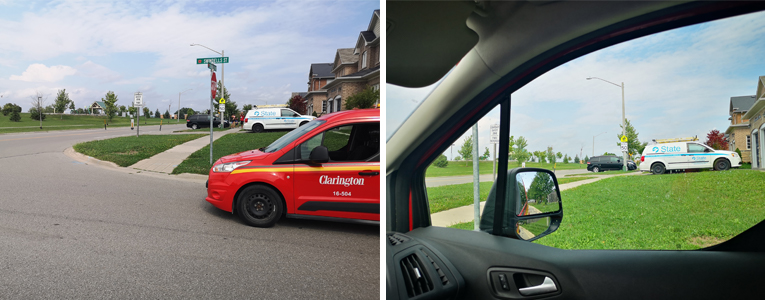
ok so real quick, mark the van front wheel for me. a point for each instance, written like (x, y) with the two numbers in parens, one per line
(657, 169)
(722, 164)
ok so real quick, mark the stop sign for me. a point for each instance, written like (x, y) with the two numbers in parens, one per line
(212, 85)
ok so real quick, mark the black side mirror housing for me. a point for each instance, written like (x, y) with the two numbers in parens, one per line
(319, 155)
(532, 207)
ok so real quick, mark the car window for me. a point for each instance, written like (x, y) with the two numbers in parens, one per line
(691, 202)
(357, 142)
(287, 113)
(292, 136)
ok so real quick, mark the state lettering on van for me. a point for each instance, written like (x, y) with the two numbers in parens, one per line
(670, 149)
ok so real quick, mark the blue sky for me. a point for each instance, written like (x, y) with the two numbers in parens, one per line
(677, 84)
(91, 47)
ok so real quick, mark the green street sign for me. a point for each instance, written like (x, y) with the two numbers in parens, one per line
(212, 60)
(212, 67)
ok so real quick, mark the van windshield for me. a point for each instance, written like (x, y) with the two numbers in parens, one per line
(292, 136)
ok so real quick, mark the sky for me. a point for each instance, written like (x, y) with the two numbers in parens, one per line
(92, 47)
(677, 84)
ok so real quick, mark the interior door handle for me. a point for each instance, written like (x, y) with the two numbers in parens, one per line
(547, 286)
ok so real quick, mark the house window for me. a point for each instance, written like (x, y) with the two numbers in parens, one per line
(364, 60)
(324, 106)
(748, 142)
(339, 104)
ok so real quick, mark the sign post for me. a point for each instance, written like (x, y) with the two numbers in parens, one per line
(624, 146)
(213, 81)
(137, 103)
(494, 140)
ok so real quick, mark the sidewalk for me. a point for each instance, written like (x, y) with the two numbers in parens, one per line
(464, 214)
(166, 161)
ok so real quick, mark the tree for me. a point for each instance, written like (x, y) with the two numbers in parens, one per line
(222, 92)
(716, 140)
(441, 161)
(559, 155)
(146, 112)
(62, 102)
(123, 109)
(110, 101)
(576, 158)
(71, 107)
(167, 114)
(8, 108)
(49, 109)
(541, 156)
(485, 155)
(246, 107)
(132, 111)
(606, 153)
(511, 144)
(633, 143)
(541, 186)
(156, 114)
(365, 99)
(297, 104)
(36, 112)
(550, 155)
(456, 158)
(565, 158)
(586, 159)
(519, 152)
(185, 111)
(14, 110)
(467, 149)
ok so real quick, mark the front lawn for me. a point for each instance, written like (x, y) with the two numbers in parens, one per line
(199, 161)
(128, 150)
(70, 122)
(457, 168)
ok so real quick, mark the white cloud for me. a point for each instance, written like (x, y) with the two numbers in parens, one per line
(41, 73)
(93, 70)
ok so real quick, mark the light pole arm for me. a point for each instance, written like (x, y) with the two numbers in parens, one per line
(208, 48)
(588, 78)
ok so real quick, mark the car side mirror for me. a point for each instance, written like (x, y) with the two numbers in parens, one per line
(532, 207)
(319, 155)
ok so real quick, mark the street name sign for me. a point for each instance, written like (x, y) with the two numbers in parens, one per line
(494, 134)
(212, 67)
(213, 60)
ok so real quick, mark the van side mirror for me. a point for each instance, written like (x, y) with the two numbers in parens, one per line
(532, 207)
(319, 155)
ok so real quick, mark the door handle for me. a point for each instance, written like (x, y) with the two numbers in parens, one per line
(547, 286)
(369, 173)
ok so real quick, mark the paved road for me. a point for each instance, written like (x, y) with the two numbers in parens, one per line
(449, 180)
(75, 231)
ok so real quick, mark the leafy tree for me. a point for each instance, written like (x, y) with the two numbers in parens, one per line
(364, 99)
(540, 156)
(716, 140)
(485, 155)
(738, 152)
(634, 145)
(550, 155)
(62, 102)
(231, 106)
(246, 107)
(606, 153)
(156, 114)
(36, 114)
(8, 108)
(146, 112)
(559, 155)
(467, 149)
(132, 111)
(456, 158)
(576, 158)
(49, 109)
(298, 104)
(71, 106)
(586, 159)
(519, 151)
(541, 186)
(565, 158)
(441, 161)
(14, 110)
(123, 109)
(110, 101)
(167, 114)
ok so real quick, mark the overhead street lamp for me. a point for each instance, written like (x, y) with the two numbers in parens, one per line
(624, 153)
(593, 142)
(179, 105)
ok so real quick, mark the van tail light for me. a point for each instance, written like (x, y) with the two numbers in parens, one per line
(187, 120)
(642, 159)
(588, 162)
(246, 119)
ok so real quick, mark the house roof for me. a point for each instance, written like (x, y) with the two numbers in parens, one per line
(358, 76)
(363, 72)
(760, 103)
(741, 104)
(322, 70)
(346, 56)
(99, 103)
(368, 36)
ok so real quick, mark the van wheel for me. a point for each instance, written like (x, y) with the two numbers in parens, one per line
(722, 164)
(658, 169)
(303, 123)
(257, 128)
(194, 126)
(595, 169)
(259, 206)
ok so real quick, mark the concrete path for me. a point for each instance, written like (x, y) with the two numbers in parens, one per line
(166, 161)
(449, 180)
(465, 213)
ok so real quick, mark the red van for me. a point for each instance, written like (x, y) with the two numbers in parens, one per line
(327, 169)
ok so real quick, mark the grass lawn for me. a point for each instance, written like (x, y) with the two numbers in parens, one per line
(456, 168)
(452, 196)
(199, 162)
(69, 122)
(126, 151)
(202, 130)
(670, 212)
(603, 173)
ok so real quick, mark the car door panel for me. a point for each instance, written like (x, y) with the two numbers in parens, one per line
(599, 274)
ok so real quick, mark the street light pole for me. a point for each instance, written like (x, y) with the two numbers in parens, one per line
(179, 104)
(222, 75)
(624, 153)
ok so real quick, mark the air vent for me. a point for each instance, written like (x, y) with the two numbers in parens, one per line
(396, 239)
(416, 277)
(444, 279)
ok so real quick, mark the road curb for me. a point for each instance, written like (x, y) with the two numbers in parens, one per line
(88, 160)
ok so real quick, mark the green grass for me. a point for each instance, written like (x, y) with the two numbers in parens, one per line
(668, 212)
(199, 161)
(457, 168)
(126, 151)
(745, 166)
(603, 173)
(452, 196)
(202, 130)
(69, 122)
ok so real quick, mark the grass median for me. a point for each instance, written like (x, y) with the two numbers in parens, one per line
(452, 196)
(126, 151)
(665, 212)
(199, 161)
(457, 168)
(71, 122)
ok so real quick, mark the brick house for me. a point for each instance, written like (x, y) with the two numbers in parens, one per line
(756, 117)
(355, 68)
(316, 97)
(738, 132)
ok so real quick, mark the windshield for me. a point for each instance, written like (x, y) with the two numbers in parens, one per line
(292, 136)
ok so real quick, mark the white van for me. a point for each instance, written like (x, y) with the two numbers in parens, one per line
(661, 157)
(260, 119)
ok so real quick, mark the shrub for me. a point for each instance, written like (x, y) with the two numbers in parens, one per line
(15, 116)
(441, 161)
(35, 114)
(738, 152)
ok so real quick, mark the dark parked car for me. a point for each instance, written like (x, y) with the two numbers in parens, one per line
(608, 162)
(201, 121)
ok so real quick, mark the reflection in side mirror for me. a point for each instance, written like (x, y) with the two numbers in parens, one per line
(537, 193)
